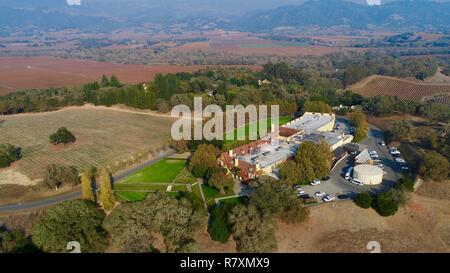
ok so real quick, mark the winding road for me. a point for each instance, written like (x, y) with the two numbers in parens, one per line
(77, 194)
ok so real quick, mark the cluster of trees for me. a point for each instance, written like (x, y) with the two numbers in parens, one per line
(253, 226)
(62, 135)
(352, 66)
(387, 203)
(60, 175)
(15, 241)
(252, 222)
(386, 105)
(317, 107)
(133, 226)
(203, 164)
(78, 220)
(434, 166)
(313, 160)
(358, 120)
(8, 154)
(402, 130)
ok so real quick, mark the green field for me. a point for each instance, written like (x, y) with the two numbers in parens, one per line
(246, 129)
(164, 171)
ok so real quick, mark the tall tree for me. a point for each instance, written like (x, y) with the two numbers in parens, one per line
(86, 188)
(107, 198)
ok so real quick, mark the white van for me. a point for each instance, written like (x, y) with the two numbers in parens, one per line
(349, 173)
(357, 182)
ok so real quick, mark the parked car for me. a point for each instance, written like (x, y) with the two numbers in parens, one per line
(305, 196)
(380, 166)
(301, 192)
(320, 194)
(315, 182)
(349, 173)
(343, 197)
(404, 168)
(296, 186)
(382, 143)
(400, 160)
(329, 198)
(357, 182)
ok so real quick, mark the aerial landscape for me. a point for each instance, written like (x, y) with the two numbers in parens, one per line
(352, 155)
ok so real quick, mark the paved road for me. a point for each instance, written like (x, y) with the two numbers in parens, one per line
(337, 184)
(77, 194)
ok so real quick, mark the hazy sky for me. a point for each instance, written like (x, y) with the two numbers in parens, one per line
(74, 2)
(374, 2)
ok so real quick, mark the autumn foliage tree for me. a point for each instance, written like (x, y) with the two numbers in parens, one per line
(86, 187)
(107, 198)
(358, 119)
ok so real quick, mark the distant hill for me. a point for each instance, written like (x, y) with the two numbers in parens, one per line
(247, 15)
(403, 89)
(411, 15)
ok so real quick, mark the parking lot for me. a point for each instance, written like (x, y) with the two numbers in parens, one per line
(338, 185)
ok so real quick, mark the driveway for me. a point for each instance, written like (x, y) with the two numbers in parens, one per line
(337, 185)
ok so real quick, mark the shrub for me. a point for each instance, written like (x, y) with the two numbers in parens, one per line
(406, 182)
(363, 200)
(386, 204)
(9, 154)
(434, 166)
(62, 136)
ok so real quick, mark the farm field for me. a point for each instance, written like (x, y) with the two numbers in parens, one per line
(43, 72)
(406, 90)
(244, 43)
(105, 137)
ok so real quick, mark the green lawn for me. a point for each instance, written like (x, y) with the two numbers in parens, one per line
(246, 129)
(164, 171)
(139, 186)
(131, 196)
(212, 193)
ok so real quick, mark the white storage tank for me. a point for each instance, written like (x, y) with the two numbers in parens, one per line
(368, 174)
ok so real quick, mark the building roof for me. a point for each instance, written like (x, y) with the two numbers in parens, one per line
(368, 170)
(287, 132)
(310, 122)
(363, 157)
(271, 154)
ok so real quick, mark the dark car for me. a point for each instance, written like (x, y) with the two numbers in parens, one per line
(305, 196)
(343, 197)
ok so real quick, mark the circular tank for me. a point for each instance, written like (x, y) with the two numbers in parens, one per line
(368, 174)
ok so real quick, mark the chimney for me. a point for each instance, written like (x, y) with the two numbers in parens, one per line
(230, 153)
(236, 162)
